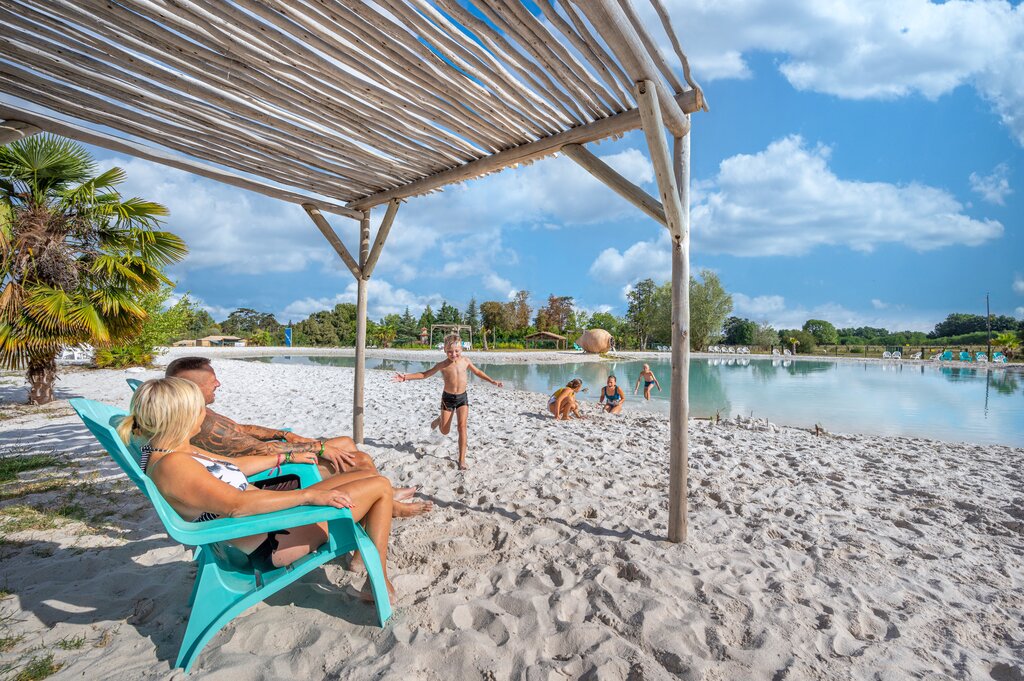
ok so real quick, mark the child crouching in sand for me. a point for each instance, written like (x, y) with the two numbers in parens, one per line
(453, 399)
(563, 401)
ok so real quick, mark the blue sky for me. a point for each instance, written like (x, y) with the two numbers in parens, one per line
(862, 162)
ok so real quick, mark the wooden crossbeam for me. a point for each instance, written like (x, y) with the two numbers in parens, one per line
(616, 182)
(618, 124)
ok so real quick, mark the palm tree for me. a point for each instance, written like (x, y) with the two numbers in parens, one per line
(1009, 341)
(74, 256)
(794, 342)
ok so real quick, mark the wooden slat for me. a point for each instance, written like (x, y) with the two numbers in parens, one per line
(11, 131)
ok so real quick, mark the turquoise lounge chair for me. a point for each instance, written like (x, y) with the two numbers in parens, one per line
(133, 383)
(980, 357)
(946, 356)
(998, 358)
(965, 356)
(225, 584)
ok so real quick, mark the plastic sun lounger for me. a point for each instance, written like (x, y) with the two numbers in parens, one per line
(999, 357)
(225, 584)
(897, 355)
(775, 352)
(886, 355)
(787, 353)
(946, 356)
(965, 356)
(981, 357)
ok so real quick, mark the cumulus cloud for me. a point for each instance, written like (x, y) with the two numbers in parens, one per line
(382, 299)
(1018, 284)
(786, 200)
(499, 285)
(878, 304)
(994, 187)
(757, 307)
(642, 260)
(227, 228)
(865, 49)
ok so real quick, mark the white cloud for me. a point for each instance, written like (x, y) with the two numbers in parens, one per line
(499, 285)
(227, 228)
(865, 49)
(642, 260)
(1019, 312)
(772, 309)
(382, 299)
(1018, 284)
(757, 307)
(994, 187)
(785, 200)
(878, 304)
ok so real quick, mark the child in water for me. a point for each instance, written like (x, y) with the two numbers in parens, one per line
(647, 376)
(454, 399)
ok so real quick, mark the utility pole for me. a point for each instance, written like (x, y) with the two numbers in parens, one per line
(988, 326)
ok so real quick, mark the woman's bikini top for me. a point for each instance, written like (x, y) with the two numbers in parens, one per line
(614, 397)
(222, 470)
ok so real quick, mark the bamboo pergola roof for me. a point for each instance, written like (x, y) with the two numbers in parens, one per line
(343, 105)
(340, 103)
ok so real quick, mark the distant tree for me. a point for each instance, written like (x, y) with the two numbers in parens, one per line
(661, 323)
(709, 306)
(162, 325)
(448, 314)
(427, 318)
(200, 322)
(803, 339)
(408, 330)
(824, 333)
(519, 311)
(494, 315)
(765, 336)
(960, 323)
(260, 338)
(739, 331)
(603, 320)
(641, 310)
(555, 315)
(244, 321)
(472, 317)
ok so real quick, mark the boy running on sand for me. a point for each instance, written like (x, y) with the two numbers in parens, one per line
(453, 399)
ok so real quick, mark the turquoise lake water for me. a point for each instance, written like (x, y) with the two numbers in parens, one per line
(983, 405)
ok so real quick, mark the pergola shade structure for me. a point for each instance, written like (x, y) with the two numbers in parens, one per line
(341, 105)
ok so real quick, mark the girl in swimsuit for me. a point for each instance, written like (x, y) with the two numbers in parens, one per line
(563, 401)
(166, 413)
(647, 376)
(612, 396)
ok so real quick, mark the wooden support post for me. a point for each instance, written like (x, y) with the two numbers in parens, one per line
(617, 183)
(678, 224)
(382, 235)
(360, 375)
(332, 237)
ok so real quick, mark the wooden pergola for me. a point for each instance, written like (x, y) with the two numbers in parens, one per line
(344, 105)
(560, 342)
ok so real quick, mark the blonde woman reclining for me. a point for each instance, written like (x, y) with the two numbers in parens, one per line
(166, 413)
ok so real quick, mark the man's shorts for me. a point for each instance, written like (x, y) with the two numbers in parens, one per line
(450, 402)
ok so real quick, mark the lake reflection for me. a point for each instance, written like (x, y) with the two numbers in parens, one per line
(973, 404)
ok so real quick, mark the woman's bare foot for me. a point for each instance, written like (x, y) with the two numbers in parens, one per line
(408, 509)
(404, 493)
(355, 563)
(366, 593)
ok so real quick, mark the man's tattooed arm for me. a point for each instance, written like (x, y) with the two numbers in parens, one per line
(220, 435)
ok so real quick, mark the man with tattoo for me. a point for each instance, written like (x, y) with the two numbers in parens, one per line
(226, 437)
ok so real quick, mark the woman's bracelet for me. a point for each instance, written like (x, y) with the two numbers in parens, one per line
(280, 458)
(323, 446)
(288, 457)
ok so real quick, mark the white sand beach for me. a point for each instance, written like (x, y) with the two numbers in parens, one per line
(838, 556)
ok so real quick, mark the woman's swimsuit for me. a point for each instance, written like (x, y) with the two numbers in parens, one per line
(261, 557)
(612, 399)
(554, 398)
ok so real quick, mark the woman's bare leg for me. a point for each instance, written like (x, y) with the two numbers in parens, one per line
(372, 501)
